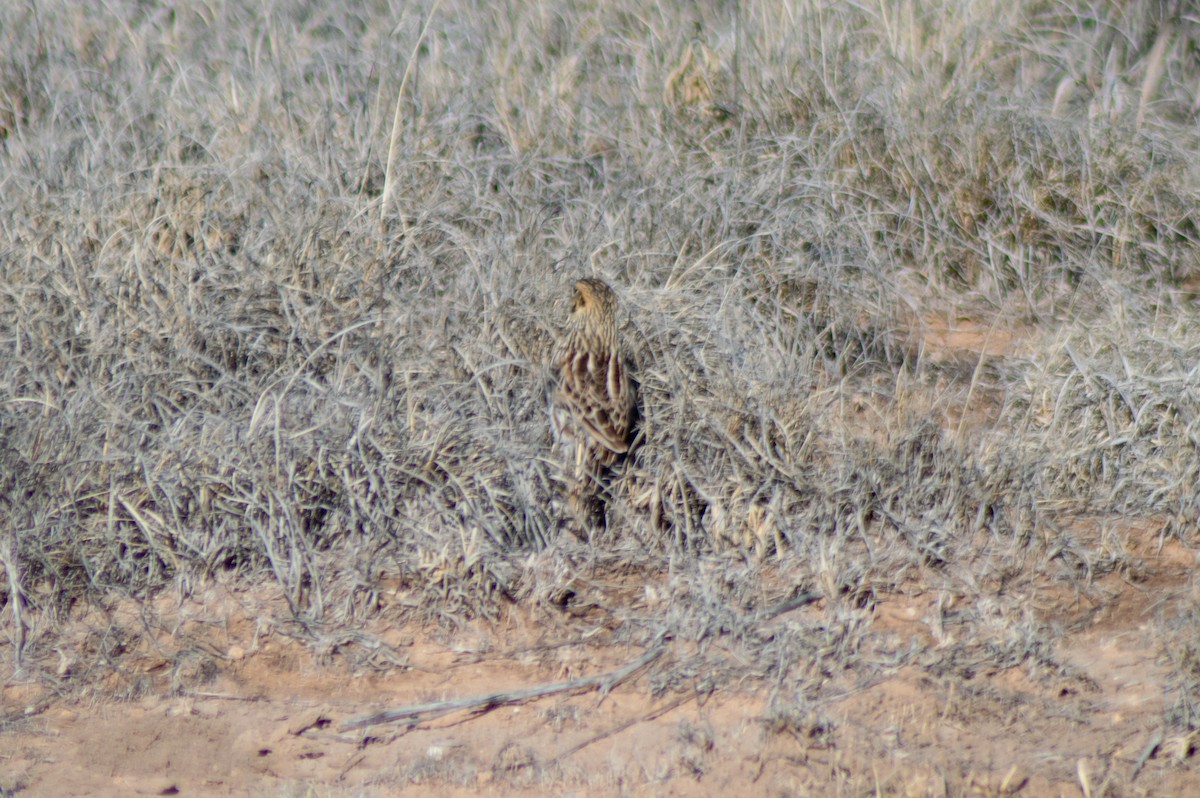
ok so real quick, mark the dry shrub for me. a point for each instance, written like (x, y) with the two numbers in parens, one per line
(216, 360)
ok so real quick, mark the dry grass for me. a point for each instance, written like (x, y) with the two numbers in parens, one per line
(215, 360)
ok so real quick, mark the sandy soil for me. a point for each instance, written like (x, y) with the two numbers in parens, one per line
(227, 703)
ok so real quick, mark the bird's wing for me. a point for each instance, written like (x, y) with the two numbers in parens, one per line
(597, 395)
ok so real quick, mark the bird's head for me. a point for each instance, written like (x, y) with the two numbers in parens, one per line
(593, 298)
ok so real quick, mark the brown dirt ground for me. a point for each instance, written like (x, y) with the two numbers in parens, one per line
(267, 717)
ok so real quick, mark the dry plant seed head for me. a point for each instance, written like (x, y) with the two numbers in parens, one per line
(594, 397)
(700, 84)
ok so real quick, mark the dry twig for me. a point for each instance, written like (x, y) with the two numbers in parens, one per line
(489, 701)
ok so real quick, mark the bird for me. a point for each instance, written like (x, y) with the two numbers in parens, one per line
(594, 397)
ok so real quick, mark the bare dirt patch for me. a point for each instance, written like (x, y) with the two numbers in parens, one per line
(231, 705)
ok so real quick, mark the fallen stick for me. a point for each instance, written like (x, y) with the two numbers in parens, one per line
(651, 715)
(794, 603)
(221, 696)
(490, 701)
